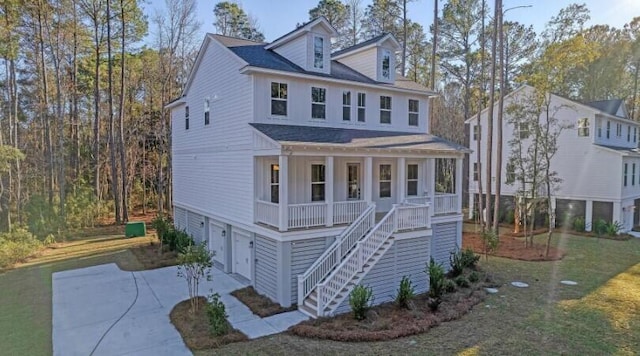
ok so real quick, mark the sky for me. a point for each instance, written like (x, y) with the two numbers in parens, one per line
(277, 17)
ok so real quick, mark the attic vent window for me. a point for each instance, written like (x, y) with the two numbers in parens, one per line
(318, 52)
(386, 64)
(583, 127)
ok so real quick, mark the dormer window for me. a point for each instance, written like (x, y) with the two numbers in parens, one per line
(318, 52)
(386, 64)
(583, 127)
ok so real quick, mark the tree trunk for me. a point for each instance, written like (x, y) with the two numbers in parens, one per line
(492, 93)
(45, 110)
(404, 37)
(112, 147)
(121, 139)
(96, 112)
(496, 207)
(478, 119)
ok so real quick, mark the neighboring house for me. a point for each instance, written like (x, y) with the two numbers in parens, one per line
(309, 172)
(597, 159)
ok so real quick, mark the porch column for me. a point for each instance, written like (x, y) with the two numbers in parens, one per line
(328, 186)
(367, 180)
(283, 193)
(588, 215)
(472, 205)
(431, 176)
(459, 183)
(402, 177)
(617, 212)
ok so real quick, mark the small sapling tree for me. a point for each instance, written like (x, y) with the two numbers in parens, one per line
(194, 264)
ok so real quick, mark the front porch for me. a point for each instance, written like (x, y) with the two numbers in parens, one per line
(324, 191)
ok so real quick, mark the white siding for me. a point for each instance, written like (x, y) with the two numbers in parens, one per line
(180, 218)
(295, 51)
(196, 226)
(213, 164)
(266, 267)
(614, 139)
(364, 62)
(405, 258)
(444, 241)
(303, 254)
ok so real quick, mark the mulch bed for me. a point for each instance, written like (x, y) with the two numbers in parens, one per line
(513, 248)
(194, 328)
(259, 304)
(388, 321)
(151, 257)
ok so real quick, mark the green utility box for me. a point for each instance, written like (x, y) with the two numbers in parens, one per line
(135, 228)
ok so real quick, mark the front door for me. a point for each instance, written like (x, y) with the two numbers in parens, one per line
(353, 181)
(242, 246)
(216, 242)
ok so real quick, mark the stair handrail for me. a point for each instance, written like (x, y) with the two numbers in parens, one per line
(333, 255)
(357, 254)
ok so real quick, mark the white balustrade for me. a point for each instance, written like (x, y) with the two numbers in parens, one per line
(267, 213)
(307, 215)
(411, 217)
(344, 212)
(445, 203)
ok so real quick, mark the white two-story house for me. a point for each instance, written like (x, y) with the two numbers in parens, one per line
(309, 172)
(597, 159)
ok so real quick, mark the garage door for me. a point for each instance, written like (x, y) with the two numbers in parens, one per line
(216, 242)
(242, 244)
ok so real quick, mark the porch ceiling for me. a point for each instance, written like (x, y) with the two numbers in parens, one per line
(331, 138)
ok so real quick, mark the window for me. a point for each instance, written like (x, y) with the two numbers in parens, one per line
(275, 183)
(583, 127)
(385, 109)
(353, 181)
(346, 106)
(625, 174)
(412, 180)
(633, 174)
(635, 134)
(317, 182)
(361, 106)
(476, 132)
(608, 128)
(318, 52)
(629, 133)
(599, 124)
(511, 173)
(523, 129)
(413, 112)
(386, 64)
(385, 181)
(318, 103)
(278, 99)
(206, 111)
(619, 130)
(475, 171)
(186, 118)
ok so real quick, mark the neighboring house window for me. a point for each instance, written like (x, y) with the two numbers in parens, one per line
(385, 109)
(413, 112)
(599, 124)
(475, 171)
(362, 101)
(523, 128)
(629, 133)
(412, 180)
(275, 183)
(625, 174)
(608, 129)
(385, 181)
(317, 182)
(186, 118)
(476, 132)
(633, 174)
(278, 99)
(635, 134)
(583, 127)
(511, 173)
(346, 105)
(619, 130)
(318, 103)
(206, 110)
(318, 52)
(386, 64)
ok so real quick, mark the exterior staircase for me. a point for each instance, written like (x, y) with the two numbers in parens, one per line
(328, 282)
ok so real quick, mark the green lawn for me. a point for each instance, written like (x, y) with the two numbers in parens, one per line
(599, 316)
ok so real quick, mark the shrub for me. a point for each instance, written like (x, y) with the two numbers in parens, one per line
(600, 227)
(490, 241)
(449, 286)
(613, 228)
(509, 217)
(360, 300)
(436, 278)
(182, 241)
(456, 262)
(474, 277)
(217, 315)
(16, 246)
(82, 208)
(194, 263)
(469, 258)
(42, 217)
(406, 292)
(578, 224)
(434, 303)
(162, 226)
(462, 281)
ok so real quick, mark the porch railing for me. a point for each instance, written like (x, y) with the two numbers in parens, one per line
(344, 212)
(267, 213)
(307, 215)
(445, 203)
(413, 216)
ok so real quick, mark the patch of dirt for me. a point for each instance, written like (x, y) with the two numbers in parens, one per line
(194, 328)
(151, 256)
(389, 321)
(259, 304)
(513, 248)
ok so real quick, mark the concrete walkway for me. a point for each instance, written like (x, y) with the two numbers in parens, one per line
(102, 310)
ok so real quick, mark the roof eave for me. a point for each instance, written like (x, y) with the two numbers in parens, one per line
(175, 103)
(302, 30)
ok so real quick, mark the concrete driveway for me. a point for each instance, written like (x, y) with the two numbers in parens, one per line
(102, 310)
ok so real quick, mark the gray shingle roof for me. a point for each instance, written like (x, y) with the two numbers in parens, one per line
(608, 106)
(258, 56)
(359, 45)
(353, 138)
